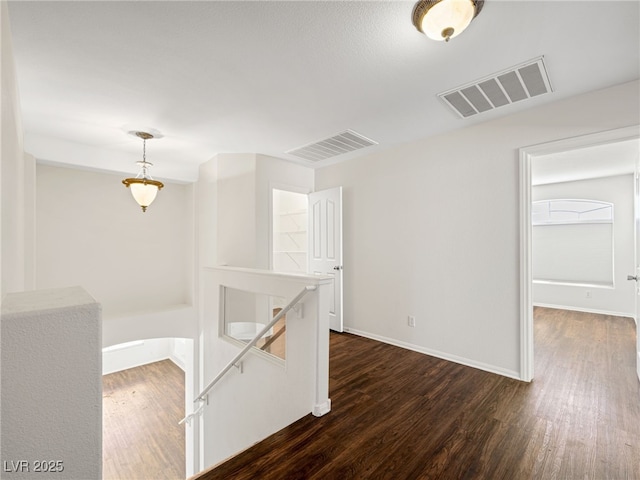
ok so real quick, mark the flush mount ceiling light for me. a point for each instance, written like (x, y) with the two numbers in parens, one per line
(143, 188)
(445, 19)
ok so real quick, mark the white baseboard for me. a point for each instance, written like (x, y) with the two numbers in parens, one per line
(585, 310)
(435, 353)
(322, 408)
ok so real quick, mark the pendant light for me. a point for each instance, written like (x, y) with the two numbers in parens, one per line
(444, 19)
(143, 188)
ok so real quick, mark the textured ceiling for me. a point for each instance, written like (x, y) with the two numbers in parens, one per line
(268, 77)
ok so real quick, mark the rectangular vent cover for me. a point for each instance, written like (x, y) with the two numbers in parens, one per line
(344, 142)
(527, 80)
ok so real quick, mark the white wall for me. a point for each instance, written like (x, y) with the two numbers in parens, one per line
(125, 356)
(206, 206)
(236, 193)
(244, 184)
(90, 232)
(179, 351)
(16, 179)
(142, 352)
(431, 229)
(616, 300)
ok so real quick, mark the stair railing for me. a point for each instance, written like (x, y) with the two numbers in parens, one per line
(203, 398)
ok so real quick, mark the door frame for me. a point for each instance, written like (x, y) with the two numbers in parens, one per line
(526, 156)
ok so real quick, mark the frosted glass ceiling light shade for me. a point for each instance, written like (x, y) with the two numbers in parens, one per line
(444, 19)
(143, 188)
(144, 192)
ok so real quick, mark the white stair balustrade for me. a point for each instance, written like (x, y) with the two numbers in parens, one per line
(239, 407)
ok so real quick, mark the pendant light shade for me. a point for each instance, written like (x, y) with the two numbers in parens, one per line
(143, 188)
(444, 19)
(144, 191)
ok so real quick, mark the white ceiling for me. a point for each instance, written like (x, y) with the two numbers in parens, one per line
(267, 77)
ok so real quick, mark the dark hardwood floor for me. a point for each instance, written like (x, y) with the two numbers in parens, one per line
(398, 414)
(141, 410)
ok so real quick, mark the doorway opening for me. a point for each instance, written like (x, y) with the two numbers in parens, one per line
(594, 168)
(289, 241)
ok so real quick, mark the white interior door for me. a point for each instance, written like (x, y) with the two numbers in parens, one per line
(325, 245)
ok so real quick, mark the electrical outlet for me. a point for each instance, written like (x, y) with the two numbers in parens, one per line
(588, 293)
(411, 321)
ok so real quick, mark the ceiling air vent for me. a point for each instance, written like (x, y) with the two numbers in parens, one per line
(517, 83)
(344, 142)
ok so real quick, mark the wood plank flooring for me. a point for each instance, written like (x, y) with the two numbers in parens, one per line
(398, 414)
(141, 410)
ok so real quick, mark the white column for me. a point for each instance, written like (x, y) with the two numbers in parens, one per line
(322, 404)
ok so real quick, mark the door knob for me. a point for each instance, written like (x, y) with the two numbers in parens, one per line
(338, 267)
(631, 277)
